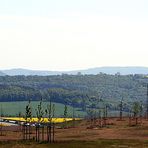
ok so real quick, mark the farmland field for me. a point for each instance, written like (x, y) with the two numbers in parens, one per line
(14, 108)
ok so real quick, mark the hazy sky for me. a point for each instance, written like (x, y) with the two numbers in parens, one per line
(73, 34)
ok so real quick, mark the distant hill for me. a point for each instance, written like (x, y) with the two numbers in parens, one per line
(26, 72)
(93, 71)
(2, 74)
(114, 70)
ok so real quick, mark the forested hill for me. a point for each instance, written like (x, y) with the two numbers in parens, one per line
(79, 90)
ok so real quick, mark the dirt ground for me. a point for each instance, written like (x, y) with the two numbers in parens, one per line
(114, 130)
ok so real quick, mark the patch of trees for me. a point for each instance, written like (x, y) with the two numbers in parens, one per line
(76, 90)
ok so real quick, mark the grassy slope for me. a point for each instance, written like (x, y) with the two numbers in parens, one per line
(13, 108)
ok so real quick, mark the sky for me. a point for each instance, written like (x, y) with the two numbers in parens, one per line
(73, 34)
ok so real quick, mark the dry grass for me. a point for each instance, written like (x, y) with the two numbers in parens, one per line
(79, 144)
(117, 134)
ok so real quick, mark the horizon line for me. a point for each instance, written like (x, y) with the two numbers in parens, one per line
(66, 70)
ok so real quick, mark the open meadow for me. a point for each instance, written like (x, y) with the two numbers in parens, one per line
(18, 107)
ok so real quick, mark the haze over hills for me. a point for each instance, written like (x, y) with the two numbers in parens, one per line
(94, 71)
(26, 72)
(114, 70)
(2, 74)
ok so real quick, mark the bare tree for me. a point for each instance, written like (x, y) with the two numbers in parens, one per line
(28, 116)
(53, 114)
(39, 113)
(105, 115)
(73, 114)
(48, 111)
(136, 111)
(1, 127)
(65, 116)
(100, 118)
(121, 108)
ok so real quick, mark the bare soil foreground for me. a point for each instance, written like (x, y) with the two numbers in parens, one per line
(115, 134)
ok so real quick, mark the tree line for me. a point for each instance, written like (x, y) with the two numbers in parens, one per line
(77, 90)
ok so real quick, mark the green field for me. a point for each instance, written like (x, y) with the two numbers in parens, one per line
(14, 108)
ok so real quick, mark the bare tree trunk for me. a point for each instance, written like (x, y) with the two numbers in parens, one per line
(53, 132)
(29, 132)
(136, 119)
(43, 133)
(121, 108)
(129, 120)
(47, 133)
(36, 134)
(23, 130)
(50, 133)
